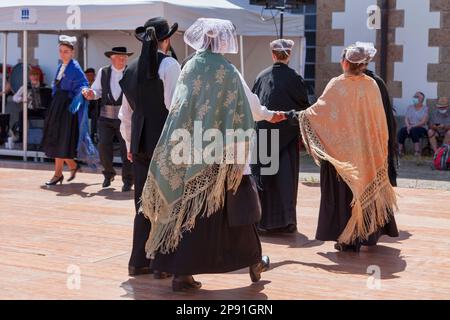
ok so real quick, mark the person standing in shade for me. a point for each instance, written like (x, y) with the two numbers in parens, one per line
(94, 110)
(280, 87)
(148, 86)
(106, 86)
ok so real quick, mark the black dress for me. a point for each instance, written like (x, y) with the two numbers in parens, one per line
(224, 242)
(61, 131)
(335, 210)
(280, 88)
(392, 127)
(60, 138)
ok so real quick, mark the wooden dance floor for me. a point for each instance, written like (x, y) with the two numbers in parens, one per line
(73, 242)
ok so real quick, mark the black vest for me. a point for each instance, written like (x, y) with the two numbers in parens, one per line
(149, 110)
(107, 97)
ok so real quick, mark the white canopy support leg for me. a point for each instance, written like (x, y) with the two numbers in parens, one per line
(186, 50)
(241, 45)
(25, 94)
(85, 44)
(5, 48)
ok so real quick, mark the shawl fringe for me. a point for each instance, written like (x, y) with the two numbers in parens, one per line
(204, 193)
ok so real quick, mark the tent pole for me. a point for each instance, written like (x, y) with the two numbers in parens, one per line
(5, 47)
(186, 50)
(25, 94)
(241, 45)
(85, 62)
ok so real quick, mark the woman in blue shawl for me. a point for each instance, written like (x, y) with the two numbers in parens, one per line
(61, 139)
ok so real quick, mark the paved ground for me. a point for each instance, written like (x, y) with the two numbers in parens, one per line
(410, 175)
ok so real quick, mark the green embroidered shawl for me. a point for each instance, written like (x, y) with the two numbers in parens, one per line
(209, 90)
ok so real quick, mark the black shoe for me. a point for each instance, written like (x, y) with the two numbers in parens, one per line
(185, 284)
(73, 172)
(55, 180)
(136, 271)
(291, 228)
(126, 187)
(107, 182)
(347, 247)
(161, 275)
(256, 269)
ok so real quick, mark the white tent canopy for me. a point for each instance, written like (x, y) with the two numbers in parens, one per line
(127, 15)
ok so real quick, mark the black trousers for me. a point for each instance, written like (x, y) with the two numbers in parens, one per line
(108, 129)
(142, 225)
(415, 134)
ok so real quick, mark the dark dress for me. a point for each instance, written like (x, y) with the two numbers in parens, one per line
(392, 127)
(60, 137)
(335, 209)
(280, 88)
(224, 242)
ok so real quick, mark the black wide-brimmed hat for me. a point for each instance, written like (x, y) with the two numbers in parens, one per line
(162, 29)
(118, 50)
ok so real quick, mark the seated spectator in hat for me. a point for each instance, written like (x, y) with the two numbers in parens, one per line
(416, 120)
(439, 125)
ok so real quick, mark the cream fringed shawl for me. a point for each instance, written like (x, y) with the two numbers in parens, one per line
(347, 127)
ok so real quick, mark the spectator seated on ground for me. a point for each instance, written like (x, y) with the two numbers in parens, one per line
(439, 124)
(416, 120)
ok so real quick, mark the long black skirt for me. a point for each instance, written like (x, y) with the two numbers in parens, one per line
(335, 210)
(278, 193)
(213, 246)
(60, 136)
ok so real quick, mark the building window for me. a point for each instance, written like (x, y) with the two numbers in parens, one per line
(309, 12)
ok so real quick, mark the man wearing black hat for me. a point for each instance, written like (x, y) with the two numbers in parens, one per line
(148, 86)
(106, 86)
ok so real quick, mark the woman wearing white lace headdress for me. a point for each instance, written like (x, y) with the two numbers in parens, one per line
(346, 133)
(199, 225)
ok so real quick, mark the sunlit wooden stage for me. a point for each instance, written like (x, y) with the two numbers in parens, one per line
(50, 235)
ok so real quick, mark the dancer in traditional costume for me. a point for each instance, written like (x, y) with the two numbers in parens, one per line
(280, 87)
(148, 85)
(106, 86)
(199, 225)
(65, 125)
(347, 135)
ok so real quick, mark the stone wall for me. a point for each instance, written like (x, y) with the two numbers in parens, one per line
(440, 72)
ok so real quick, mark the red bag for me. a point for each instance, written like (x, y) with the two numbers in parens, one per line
(442, 158)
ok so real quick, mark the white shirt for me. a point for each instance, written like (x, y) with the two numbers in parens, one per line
(116, 76)
(61, 71)
(18, 96)
(169, 71)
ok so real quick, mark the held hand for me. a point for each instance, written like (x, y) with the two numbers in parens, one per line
(130, 156)
(278, 117)
(88, 94)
